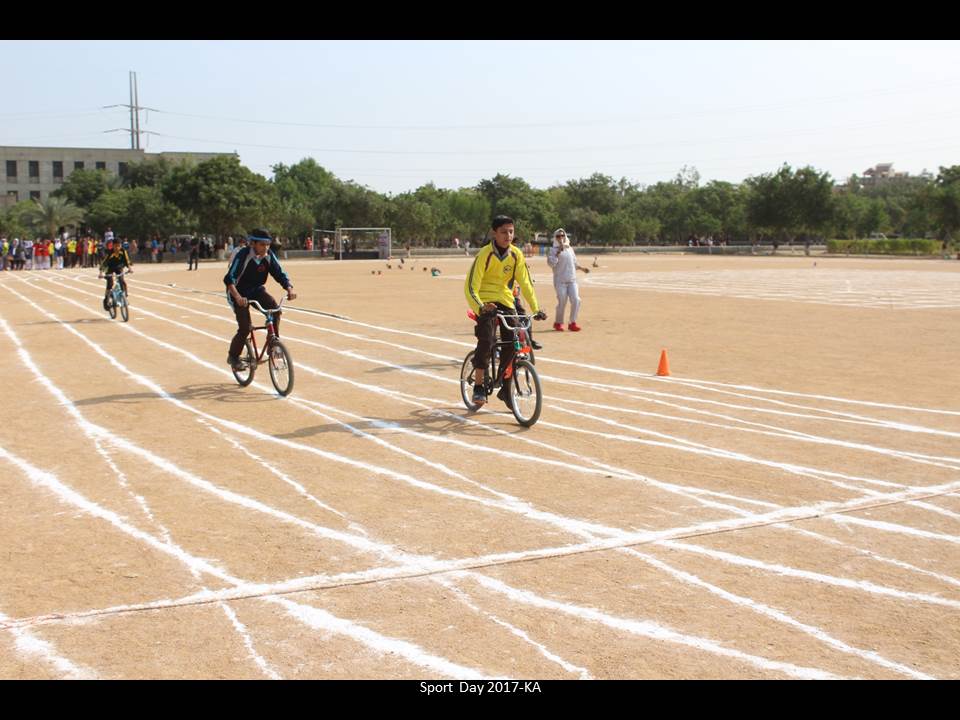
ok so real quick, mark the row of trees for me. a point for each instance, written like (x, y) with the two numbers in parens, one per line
(222, 197)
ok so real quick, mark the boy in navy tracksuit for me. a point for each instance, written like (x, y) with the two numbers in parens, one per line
(245, 281)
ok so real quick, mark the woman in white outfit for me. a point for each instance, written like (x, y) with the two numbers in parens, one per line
(563, 260)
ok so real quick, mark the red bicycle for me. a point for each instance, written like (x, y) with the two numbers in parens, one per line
(273, 352)
(520, 376)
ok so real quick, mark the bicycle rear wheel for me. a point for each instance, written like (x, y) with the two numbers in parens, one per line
(124, 310)
(281, 367)
(244, 376)
(526, 398)
(112, 306)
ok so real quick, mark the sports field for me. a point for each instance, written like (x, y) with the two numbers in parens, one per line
(784, 505)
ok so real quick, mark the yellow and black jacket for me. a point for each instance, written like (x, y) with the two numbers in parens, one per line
(489, 278)
(115, 262)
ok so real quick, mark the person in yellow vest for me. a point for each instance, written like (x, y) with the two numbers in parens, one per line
(488, 288)
(71, 252)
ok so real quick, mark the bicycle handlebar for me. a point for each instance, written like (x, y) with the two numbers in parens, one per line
(125, 272)
(268, 311)
(523, 321)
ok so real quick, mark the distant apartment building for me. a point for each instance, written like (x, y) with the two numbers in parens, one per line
(879, 173)
(34, 172)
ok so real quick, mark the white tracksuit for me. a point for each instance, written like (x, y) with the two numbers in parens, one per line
(564, 266)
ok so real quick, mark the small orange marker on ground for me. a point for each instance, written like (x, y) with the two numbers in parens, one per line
(664, 368)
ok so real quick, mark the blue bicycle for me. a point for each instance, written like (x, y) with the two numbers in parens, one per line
(118, 299)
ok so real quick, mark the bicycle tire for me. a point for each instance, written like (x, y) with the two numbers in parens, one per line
(124, 309)
(281, 367)
(245, 377)
(112, 306)
(466, 382)
(524, 388)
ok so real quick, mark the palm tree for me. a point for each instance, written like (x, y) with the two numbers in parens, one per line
(54, 213)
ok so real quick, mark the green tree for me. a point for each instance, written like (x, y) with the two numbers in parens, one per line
(412, 220)
(225, 197)
(583, 223)
(787, 203)
(82, 187)
(47, 217)
(946, 201)
(307, 184)
(108, 210)
(874, 218)
(11, 220)
(616, 229)
(469, 214)
(598, 192)
(150, 173)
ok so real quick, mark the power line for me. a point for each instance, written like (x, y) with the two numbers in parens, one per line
(568, 149)
(584, 123)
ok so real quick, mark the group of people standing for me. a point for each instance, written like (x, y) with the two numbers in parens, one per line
(44, 254)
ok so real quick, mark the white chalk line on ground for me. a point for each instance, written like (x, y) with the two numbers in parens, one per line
(318, 619)
(885, 526)
(32, 647)
(627, 373)
(583, 673)
(104, 354)
(314, 616)
(778, 616)
(381, 391)
(889, 289)
(888, 527)
(641, 628)
(632, 392)
(220, 370)
(817, 474)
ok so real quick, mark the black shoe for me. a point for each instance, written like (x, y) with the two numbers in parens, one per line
(236, 363)
(479, 395)
(504, 395)
(106, 306)
(535, 345)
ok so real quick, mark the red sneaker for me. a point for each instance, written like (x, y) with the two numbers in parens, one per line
(558, 327)
(573, 327)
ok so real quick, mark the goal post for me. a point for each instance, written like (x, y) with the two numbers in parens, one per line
(369, 243)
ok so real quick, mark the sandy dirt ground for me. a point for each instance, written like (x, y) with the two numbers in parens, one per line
(785, 505)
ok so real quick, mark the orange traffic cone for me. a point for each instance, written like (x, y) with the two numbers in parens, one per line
(664, 368)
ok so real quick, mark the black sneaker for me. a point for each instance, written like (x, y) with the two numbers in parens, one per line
(236, 363)
(504, 395)
(106, 306)
(535, 345)
(479, 395)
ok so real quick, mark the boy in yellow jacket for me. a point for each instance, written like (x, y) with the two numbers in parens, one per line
(488, 289)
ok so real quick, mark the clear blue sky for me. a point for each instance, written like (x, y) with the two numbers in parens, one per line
(404, 113)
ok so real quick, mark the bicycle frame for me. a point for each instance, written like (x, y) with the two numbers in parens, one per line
(268, 326)
(117, 288)
(521, 344)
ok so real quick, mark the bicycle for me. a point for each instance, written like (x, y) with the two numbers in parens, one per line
(526, 397)
(274, 353)
(117, 299)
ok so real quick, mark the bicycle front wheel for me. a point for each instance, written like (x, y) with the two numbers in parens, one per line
(244, 376)
(124, 310)
(466, 382)
(112, 306)
(526, 398)
(281, 367)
